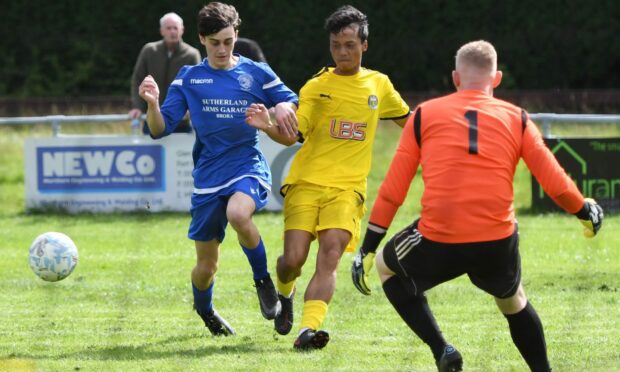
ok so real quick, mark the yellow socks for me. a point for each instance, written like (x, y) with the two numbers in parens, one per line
(314, 311)
(313, 314)
(285, 289)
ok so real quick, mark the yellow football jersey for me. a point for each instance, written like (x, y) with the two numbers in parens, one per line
(338, 117)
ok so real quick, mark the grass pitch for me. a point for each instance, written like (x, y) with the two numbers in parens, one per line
(128, 305)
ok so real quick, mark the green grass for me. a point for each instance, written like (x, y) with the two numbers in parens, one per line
(128, 307)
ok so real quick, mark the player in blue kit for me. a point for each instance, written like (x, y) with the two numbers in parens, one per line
(231, 176)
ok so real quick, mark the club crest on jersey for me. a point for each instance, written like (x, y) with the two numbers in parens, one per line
(373, 102)
(245, 81)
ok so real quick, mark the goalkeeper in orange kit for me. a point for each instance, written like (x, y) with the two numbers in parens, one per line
(468, 144)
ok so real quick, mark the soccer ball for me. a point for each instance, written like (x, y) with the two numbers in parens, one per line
(53, 256)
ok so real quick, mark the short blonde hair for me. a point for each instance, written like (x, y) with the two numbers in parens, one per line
(479, 54)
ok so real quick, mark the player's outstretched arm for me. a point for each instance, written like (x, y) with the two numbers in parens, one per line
(149, 91)
(257, 116)
(286, 119)
(591, 217)
(392, 193)
(401, 121)
(365, 257)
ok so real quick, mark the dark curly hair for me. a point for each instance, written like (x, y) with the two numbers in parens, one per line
(347, 16)
(216, 16)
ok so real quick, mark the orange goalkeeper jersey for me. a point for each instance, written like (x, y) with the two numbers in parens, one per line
(468, 145)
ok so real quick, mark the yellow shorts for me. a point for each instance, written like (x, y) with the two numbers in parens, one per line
(314, 208)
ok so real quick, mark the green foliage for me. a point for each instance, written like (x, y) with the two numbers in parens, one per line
(75, 48)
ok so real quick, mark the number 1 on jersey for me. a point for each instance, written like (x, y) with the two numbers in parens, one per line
(472, 118)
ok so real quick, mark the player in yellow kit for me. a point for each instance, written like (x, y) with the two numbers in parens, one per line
(324, 192)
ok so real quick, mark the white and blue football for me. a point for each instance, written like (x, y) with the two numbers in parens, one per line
(53, 256)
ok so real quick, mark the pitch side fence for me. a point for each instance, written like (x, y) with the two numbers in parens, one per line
(129, 172)
(56, 121)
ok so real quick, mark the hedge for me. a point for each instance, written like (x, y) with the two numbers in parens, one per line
(78, 48)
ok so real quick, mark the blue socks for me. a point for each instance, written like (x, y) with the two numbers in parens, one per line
(202, 299)
(258, 260)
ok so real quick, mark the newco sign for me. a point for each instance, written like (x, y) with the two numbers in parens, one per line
(124, 173)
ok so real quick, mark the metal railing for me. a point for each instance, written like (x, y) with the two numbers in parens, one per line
(57, 120)
(544, 119)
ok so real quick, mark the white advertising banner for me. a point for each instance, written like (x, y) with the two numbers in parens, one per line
(124, 173)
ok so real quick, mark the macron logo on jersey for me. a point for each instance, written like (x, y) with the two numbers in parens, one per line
(200, 81)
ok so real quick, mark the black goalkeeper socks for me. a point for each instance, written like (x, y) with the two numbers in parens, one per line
(415, 312)
(527, 334)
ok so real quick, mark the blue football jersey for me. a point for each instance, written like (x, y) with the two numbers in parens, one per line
(226, 147)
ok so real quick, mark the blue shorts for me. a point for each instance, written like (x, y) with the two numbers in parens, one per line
(208, 211)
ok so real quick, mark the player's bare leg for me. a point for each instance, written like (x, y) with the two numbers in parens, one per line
(239, 213)
(203, 277)
(383, 270)
(296, 249)
(332, 243)
(207, 256)
(512, 304)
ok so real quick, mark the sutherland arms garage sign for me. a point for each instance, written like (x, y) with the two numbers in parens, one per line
(594, 165)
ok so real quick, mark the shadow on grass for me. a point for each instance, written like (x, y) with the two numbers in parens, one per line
(97, 218)
(205, 345)
(82, 217)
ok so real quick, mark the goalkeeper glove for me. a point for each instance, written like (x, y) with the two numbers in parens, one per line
(590, 216)
(364, 260)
